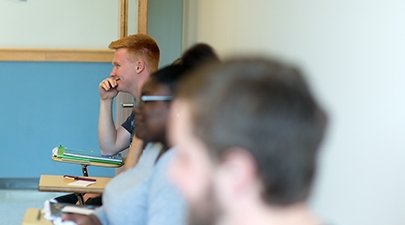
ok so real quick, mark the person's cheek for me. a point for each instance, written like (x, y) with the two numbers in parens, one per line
(189, 176)
(145, 111)
(196, 181)
(177, 175)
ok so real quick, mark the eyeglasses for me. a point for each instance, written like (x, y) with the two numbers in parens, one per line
(155, 98)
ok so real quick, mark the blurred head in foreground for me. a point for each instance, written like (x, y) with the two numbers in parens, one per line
(197, 55)
(247, 134)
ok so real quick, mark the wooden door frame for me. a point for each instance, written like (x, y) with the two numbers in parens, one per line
(79, 55)
(122, 113)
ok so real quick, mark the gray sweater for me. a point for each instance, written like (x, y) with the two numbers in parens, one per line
(143, 195)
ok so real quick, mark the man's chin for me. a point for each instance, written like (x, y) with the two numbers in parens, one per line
(205, 213)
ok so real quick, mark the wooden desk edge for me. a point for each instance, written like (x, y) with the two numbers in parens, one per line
(79, 190)
(33, 216)
(75, 189)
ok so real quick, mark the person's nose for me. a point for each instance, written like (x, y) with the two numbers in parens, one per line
(113, 72)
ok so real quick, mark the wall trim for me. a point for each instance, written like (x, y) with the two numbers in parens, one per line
(56, 55)
(19, 183)
(143, 16)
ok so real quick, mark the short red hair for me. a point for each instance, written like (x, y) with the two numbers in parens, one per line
(140, 45)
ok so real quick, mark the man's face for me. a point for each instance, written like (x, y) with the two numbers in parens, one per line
(191, 169)
(124, 70)
(151, 117)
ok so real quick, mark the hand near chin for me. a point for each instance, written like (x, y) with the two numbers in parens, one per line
(81, 219)
(108, 88)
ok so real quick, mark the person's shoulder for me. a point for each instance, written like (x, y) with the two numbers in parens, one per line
(164, 159)
(162, 165)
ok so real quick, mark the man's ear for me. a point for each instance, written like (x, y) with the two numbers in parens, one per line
(241, 169)
(140, 66)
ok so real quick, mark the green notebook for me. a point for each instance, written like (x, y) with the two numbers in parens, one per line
(86, 155)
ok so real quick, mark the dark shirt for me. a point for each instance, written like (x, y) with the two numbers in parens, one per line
(129, 124)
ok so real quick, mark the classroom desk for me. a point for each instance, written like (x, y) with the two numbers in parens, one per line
(59, 184)
(34, 217)
(84, 164)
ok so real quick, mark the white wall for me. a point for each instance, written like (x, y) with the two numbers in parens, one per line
(353, 52)
(58, 23)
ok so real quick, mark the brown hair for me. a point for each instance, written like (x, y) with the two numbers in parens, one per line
(140, 45)
(265, 107)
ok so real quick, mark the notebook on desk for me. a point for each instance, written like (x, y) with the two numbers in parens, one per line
(85, 155)
(52, 211)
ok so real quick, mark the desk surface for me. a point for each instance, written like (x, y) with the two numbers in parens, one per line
(34, 217)
(59, 184)
(87, 163)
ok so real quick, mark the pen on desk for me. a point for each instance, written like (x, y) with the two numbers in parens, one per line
(78, 178)
(39, 215)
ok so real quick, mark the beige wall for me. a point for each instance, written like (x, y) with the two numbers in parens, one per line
(226, 24)
(353, 52)
(58, 24)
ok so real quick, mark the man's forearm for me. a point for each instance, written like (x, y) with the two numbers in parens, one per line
(107, 133)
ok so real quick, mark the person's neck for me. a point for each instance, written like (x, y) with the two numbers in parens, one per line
(136, 90)
(136, 94)
(165, 146)
(133, 92)
(298, 214)
(164, 149)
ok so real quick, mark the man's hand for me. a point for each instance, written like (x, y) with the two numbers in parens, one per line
(107, 88)
(81, 219)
